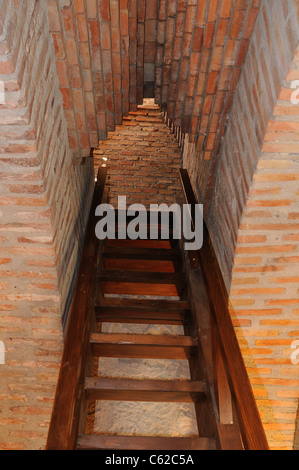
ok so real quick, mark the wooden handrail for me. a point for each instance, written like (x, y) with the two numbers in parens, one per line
(232, 372)
(67, 403)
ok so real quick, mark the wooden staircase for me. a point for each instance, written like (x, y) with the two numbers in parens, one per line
(137, 284)
(142, 282)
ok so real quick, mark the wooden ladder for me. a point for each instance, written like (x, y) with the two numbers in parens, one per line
(149, 274)
(142, 282)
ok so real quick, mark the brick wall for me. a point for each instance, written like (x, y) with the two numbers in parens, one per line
(254, 101)
(143, 159)
(104, 53)
(186, 54)
(264, 288)
(43, 207)
(253, 211)
(203, 46)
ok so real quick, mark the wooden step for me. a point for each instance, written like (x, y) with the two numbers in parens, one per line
(162, 284)
(147, 244)
(130, 315)
(142, 346)
(149, 305)
(159, 254)
(148, 227)
(142, 277)
(147, 233)
(140, 288)
(143, 311)
(122, 215)
(103, 442)
(141, 265)
(182, 391)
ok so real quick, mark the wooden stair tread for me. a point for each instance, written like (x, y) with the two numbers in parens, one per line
(141, 265)
(105, 442)
(183, 391)
(147, 244)
(141, 288)
(160, 340)
(144, 304)
(142, 346)
(141, 277)
(158, 254)
(127, 315)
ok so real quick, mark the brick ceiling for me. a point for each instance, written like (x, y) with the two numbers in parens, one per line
(188, 54)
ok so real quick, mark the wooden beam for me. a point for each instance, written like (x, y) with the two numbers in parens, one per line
(253, 434)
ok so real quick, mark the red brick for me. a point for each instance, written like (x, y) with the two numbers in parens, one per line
(105, 36)
(92, 9)
(71, 48)
(225, 8)
(82, 28)
(62, 73)
(197, 39)
(194, 63)
(67, 98)
(216, 58)
(231, 52)
(212, 82)
(190, 19)
(221, 31)
(95, 32)
(80, 6)
(152, 9)
(237, 24)
(209, 35)
(250, 23)
(69, 23)
(213, 10)
(58, 45)
(104, 9)
(54, 17)
(201, 12)
(150, 31)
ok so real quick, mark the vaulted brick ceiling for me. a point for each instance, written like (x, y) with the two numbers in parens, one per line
(188, 54)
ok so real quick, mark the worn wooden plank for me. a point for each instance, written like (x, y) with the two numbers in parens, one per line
(125, 264)
(201, 364)
(142, 346)
(101, 442)
(127, 243)
(160, 254)
(141, 288)
(182, 391)
(145, 304)
(123, 315)
(142, 277)
(160, 340)
(229, 437)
